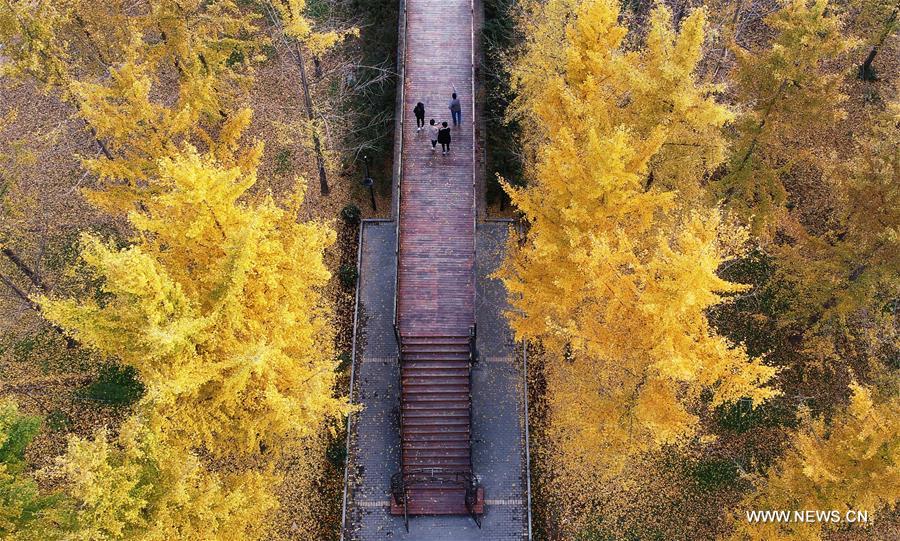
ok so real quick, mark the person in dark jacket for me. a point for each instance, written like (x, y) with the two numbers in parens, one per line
(444, 138)
(419, 111)
(455, 110)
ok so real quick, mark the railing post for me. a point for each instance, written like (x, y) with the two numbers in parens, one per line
(473, 349)
(405, 508)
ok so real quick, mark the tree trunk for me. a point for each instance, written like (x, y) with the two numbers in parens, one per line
(25, 269)
(19, 293)
(307, 97)
(866, 71)
(734, 28)
(762, 125)
(310, 115)
(70, 342)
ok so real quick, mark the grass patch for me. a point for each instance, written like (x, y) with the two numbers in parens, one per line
(609, 532)
(48, 350)
(751, 317)
(741, 417)
(714, 473)
(318, 10)
(58, 421)
(116, 385)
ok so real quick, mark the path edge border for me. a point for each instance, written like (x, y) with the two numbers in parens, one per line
(526, 405)
(359, 239)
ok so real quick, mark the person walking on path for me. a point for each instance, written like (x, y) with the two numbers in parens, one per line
(419, 111)
(435, 129)
(444, 138)
(455, 110)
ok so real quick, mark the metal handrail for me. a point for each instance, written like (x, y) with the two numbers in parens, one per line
(401, 106)
(474, 155)
(443, 476)
(399, 492)
(440, 476)
(402, 482)
(527, 433)
(359, 241)
(472, 493)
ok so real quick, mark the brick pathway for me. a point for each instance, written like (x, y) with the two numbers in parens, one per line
(436, 192)
(498, 441)
(437, 275)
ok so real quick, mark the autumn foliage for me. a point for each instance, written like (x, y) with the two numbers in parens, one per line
(706, 276)
(847, 464)
(616, 274)
(215, 296)
(641, 187)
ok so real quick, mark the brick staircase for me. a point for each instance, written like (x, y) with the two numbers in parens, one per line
(435, 423)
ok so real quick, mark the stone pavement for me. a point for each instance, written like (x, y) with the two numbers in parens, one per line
(498, 431)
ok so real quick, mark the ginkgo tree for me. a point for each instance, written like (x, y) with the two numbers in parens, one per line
(297, 28)
(219, 307)
(848, 464)
(843, 279)
(207, 45)
(788, 96)
(617, 272)
(644, 89)
(876, 21)
(218, 304)
(138, 486)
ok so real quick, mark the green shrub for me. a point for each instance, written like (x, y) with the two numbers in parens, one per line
(27, 512)
(283, 164)
(348, 275)
(16, 432)
(351, 214)
(336, 452)
(345, 359)
(116, 385)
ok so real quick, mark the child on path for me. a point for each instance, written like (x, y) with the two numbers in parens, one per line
(455, 110)
(420, 115)
(435, 129)
(444, 138)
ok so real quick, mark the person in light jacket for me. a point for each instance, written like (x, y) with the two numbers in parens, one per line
(435, 129)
